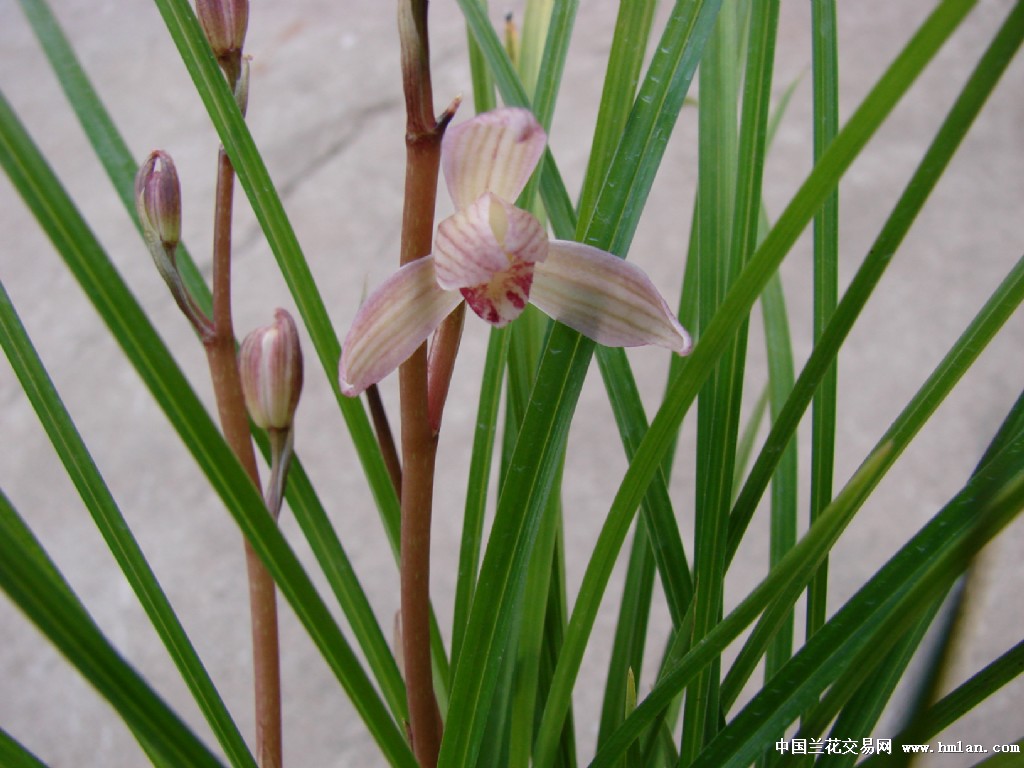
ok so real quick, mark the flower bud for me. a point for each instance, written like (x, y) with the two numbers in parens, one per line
(270, 364)
(158, 200)
(224, 22)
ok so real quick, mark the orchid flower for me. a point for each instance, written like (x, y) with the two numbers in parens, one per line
(497, 257)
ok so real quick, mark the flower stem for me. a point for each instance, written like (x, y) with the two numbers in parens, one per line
(419, 440)
(227, 387)
(385, 438)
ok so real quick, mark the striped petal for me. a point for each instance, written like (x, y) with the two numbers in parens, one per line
(605, 298)
(484, 240)
(392, 323)
(493, 152)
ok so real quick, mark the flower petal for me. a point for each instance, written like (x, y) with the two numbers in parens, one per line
(493, 152)
(504, 298)
(484, 240)
(605, 298)
(392, 323)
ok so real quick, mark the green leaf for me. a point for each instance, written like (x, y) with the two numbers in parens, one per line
(13, 755)
(477, 484)
(958, 702)
(825, 74)
(33, 583)
(966, 349)
(789, 577)
(111, 523)
(875, 618)
(955, 126)
(622, 75)
(542, 439)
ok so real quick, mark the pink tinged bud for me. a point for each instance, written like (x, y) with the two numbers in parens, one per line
(224, 22)
(158, 200)
(605, 298)
(270, 364)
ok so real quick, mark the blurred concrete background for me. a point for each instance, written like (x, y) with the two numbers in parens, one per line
(326, 109)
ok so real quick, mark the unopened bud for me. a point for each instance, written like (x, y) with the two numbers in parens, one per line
(270, 364)
(224, 22)
(158, 200)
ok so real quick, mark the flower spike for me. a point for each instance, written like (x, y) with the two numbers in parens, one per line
(498, 257)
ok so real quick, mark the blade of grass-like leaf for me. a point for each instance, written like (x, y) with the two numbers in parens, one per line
(959, 119)
(630, 631)
(625, 61)
(120, 168)
(747, 436)
(729, 189)
(544, 59)
(32, 581)
(861, 673)
(553, 48)
(875, 618)
(477, 484)
(974, 339)
(890, 602)
(795, 569)
(83, 255)
(879, 102)
(825, 74)
(960, 701)
(784, 481)
(927, 687)
(14, 755)
(862, 669)
(111, 523)
(656, 507)
(862, 713)
(483, 83)
(540, 445)
(536, 22)
(531, 636)
(629, 44)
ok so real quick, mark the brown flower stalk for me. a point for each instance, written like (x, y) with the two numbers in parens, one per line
(419, 439)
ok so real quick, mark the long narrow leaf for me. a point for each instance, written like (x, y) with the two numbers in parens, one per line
(14, 755)
(111, 523)
(970, 101)
(876, 616)
(874, 109)
(541, 441)
(32, 581)
(825, 74)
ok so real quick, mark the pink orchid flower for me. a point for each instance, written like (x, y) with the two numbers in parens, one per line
(497, 257)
